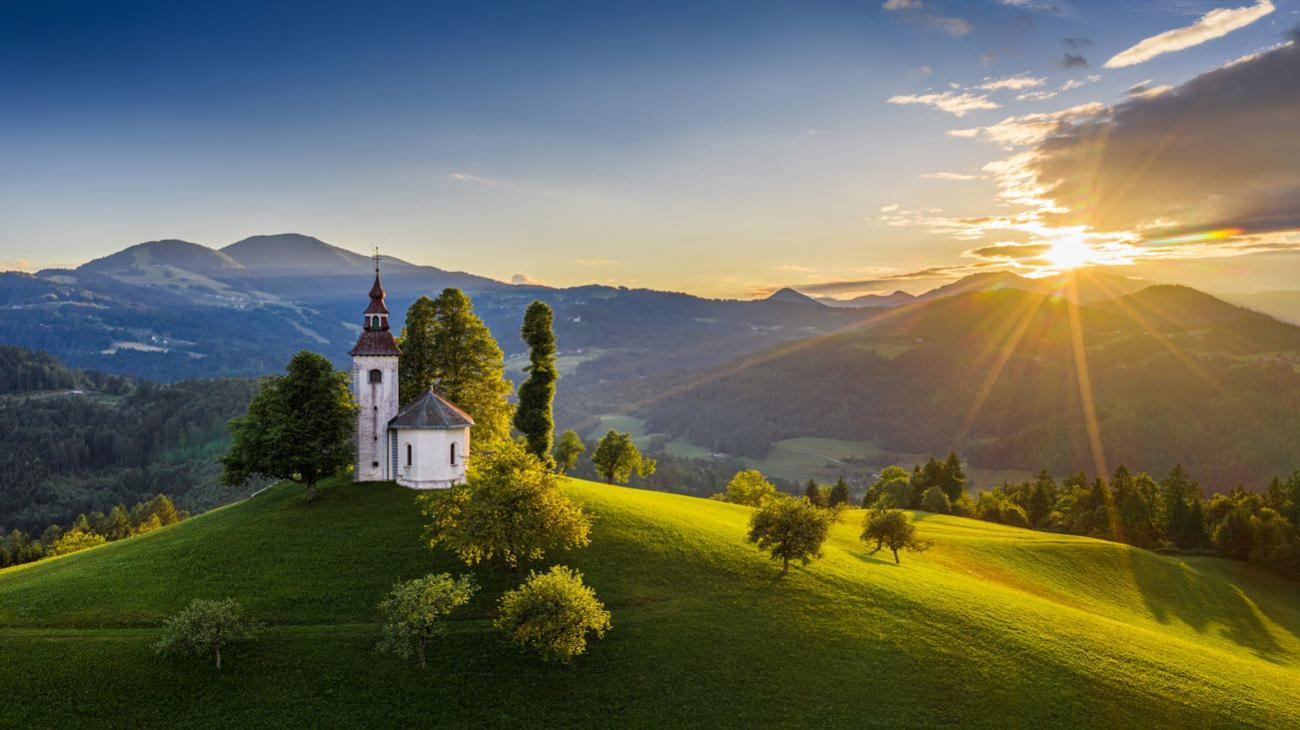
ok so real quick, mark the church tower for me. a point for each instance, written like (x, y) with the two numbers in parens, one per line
(374, 385)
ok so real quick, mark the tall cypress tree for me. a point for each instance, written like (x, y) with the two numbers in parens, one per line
(533, 417)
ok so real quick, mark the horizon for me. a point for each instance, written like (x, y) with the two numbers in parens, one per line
(835, 150)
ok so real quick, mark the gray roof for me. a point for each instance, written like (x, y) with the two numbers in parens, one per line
(431, 410)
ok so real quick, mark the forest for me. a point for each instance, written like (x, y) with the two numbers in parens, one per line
(79, 442)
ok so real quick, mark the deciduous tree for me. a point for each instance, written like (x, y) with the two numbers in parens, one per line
(893, 529)
(617, 458)
(790, 528)
(509, 508)
(568, 449)
(207, 627)
(750, 487)
(299, 427)
(414, 612)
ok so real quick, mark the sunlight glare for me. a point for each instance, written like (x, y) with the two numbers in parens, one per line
(1068, 253)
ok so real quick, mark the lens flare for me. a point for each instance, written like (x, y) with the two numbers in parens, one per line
(1217, 234)
(1068, 253)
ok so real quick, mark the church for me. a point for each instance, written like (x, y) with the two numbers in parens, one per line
(422, 445)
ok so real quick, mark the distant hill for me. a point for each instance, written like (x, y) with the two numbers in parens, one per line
(993, 626)
(993, 376)
(790, 296)
(871, 300)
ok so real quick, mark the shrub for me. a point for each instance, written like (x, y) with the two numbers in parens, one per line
(552, 613)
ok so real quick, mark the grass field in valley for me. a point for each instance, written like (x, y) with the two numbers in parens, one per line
(993, 625)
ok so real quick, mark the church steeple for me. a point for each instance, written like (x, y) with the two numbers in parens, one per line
(376, 339)
(376, 315)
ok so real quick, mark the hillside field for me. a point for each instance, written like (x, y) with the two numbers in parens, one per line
(994, 626)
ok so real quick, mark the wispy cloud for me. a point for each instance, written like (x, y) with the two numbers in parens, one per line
(958, 104)
(915, 11)
(1214, 24)
(1147, 89)
(595, 262)
(1018, 82)
(1069, 85)
(955, 176)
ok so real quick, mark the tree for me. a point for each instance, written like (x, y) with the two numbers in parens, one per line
(414, 611)
(893, 529)
(206, 627)
(533, 416)
(814, 494)
(568, 450)
(75, 540)
(299, 427)
(936, 500)
(447, 347)
(1178, 494)
(790, 528)
(750, 487)
(952, 479)
(552, 613)
(117, 524)
(161, 506)
(839, 494)
(509, 508)
(893, 481)
(617, 458)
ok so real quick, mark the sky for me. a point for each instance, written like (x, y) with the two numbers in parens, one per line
(723, 149)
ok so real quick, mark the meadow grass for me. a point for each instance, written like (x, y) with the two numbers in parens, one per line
(993, 626)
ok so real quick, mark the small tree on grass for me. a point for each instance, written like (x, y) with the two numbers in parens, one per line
(750, 487)
(415, 610)
(790, 529)
(510, 508)
(298, 427)
(205, 627)
(893, 529)
(533, 416)
(617, 458)
(567, 451)
(552, 613)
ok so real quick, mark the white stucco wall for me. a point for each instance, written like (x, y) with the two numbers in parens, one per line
(376, 406)
(430, 465)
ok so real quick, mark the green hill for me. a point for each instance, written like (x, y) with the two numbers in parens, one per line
(993, 626)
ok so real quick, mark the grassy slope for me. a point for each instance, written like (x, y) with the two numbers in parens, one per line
(992, 625)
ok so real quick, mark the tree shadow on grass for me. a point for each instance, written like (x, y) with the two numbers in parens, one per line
(1172, 590)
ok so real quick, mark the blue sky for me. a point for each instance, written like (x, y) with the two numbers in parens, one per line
(721, 149)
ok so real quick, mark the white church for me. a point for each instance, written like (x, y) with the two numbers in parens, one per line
(423, 445)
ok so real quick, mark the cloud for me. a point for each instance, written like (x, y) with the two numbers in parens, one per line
(795, 268)
(1041, 6)
(854, 287)
(1214, 24)
(1072, 60)
(1217, 153)
(925, 71)
(1014, 83)
(1030, 129)
(915, 11)
(1069, 85)
(17, 265)
(1009, 251)
(955, 103)
(1076, 43)
(956, 176)
(1144, 89)
(595, 262)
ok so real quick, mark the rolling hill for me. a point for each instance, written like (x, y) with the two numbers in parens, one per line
(993, 626)
(1173, 376)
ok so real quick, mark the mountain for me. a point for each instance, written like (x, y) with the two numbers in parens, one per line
(993, 376)
(790, 296)
(296, 254)
(992, 626)
(899, 297)
(169, 254)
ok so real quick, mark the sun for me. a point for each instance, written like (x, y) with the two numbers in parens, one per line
(1069, 252)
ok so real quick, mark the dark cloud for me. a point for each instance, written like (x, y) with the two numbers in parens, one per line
(1073, 60)
(1220, 151)
(1076, 43)
(1007, 252)
(890, 282)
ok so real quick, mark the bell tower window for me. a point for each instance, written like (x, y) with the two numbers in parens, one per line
(376, 376)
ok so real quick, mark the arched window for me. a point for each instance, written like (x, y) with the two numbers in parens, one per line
(376, 376)
(408, 454)
(453, 453)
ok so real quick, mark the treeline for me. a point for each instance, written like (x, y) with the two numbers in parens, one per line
(97, 441)
(87, 531)
(1132, 508)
